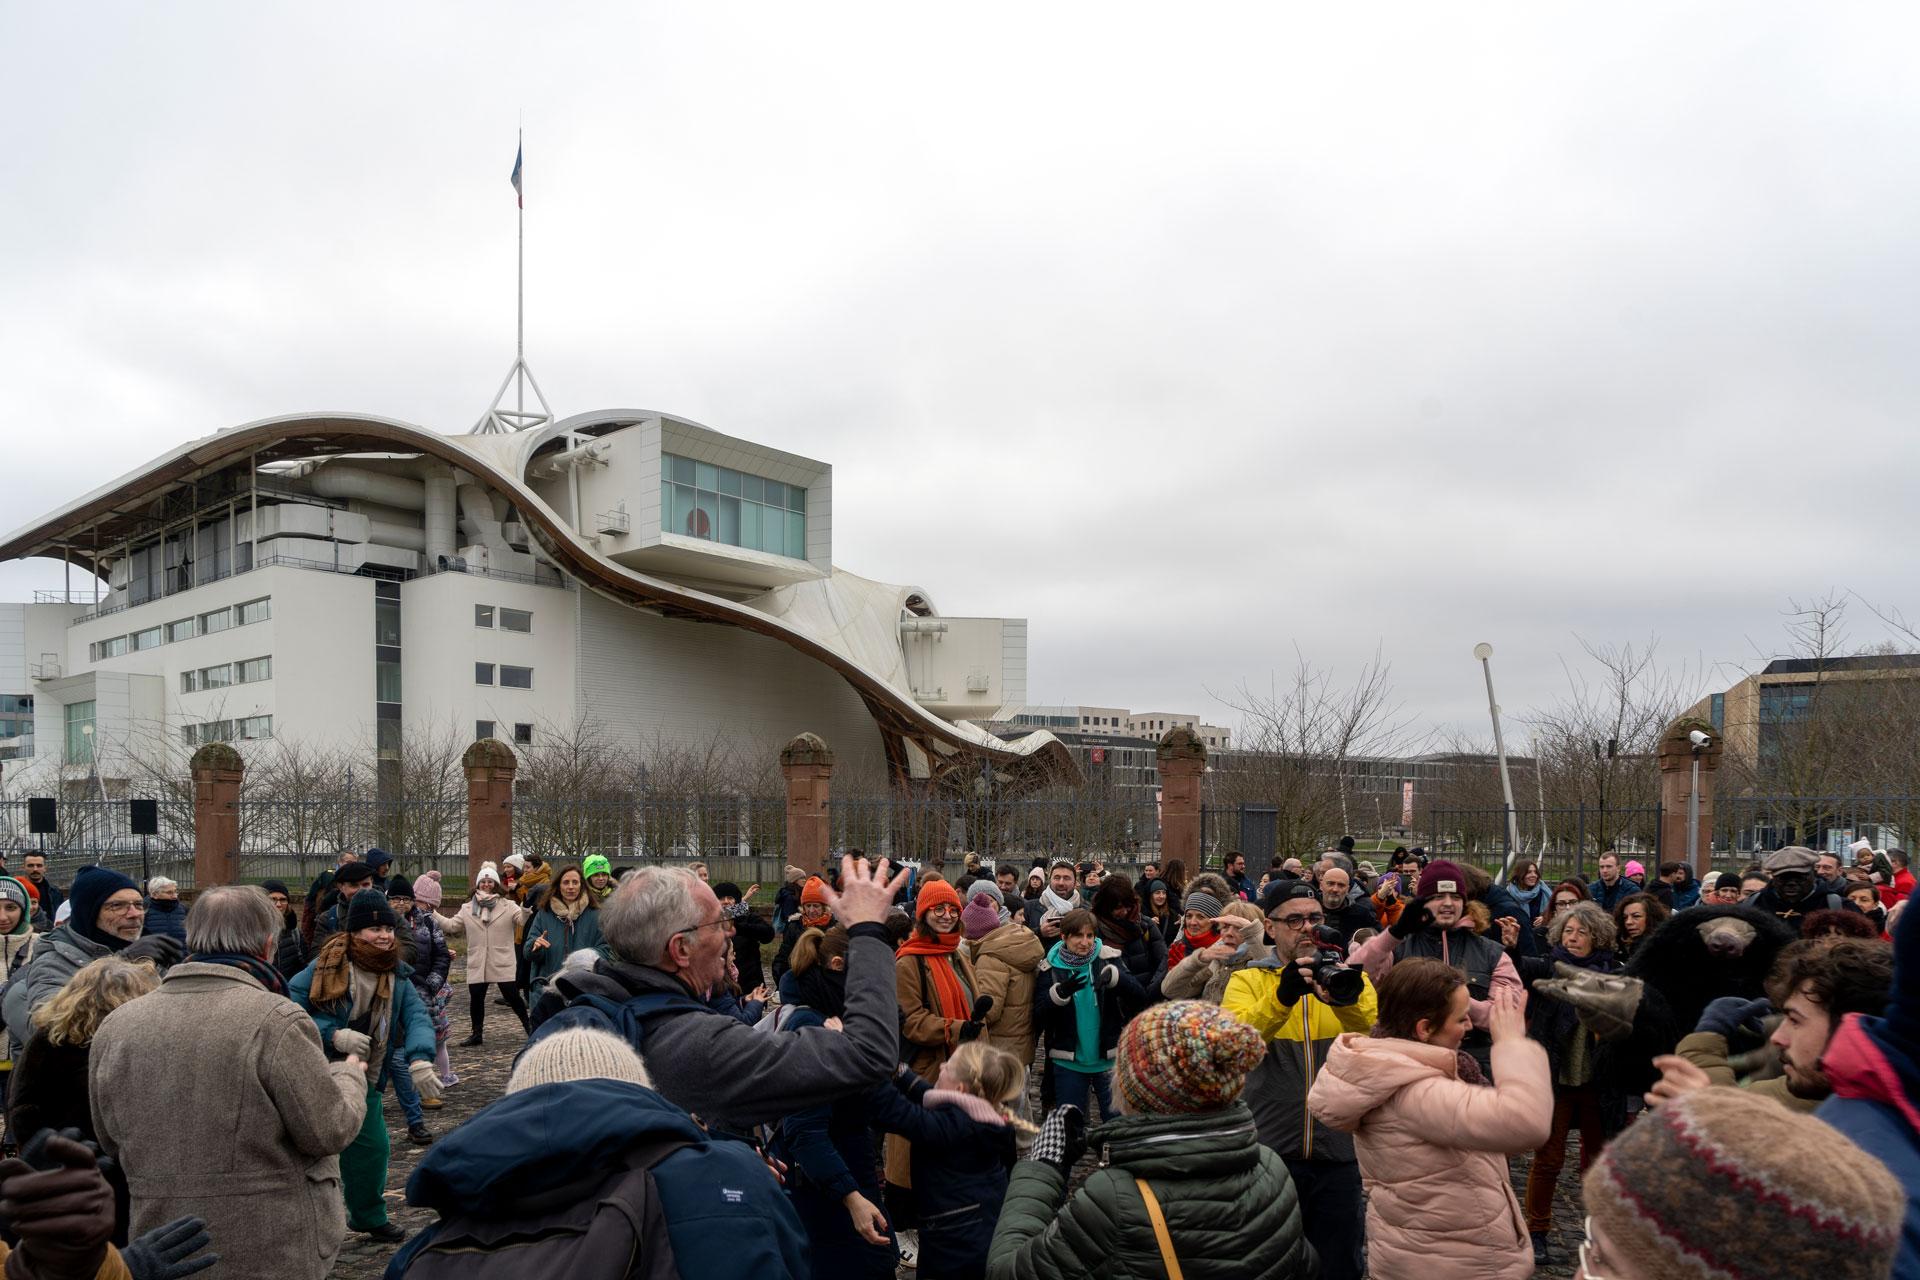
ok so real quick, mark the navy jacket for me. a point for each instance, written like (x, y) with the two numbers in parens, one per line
(960, 1170)
(432, 958)
(168, 917)
(725, 1211)
(830, 1151)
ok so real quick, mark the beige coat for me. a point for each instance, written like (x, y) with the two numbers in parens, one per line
(490, 937)
(215, 1097)
(1433, 1151)
(1003, 965)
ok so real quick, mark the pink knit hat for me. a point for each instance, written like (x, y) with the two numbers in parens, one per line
(980, 918)
(426, 891)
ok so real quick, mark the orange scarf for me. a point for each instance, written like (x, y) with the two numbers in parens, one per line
(951, 999)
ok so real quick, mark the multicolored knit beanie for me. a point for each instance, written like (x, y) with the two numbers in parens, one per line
(1787, 1195)
(1184, 1056)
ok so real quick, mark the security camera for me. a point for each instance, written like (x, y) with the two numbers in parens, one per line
(1699, 739)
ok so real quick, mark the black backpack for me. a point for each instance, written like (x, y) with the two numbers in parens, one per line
(608, 1225)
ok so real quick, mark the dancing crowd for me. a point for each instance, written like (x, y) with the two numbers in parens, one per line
(1011, 1071)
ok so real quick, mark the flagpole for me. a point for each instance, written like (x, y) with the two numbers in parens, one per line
(520, 323)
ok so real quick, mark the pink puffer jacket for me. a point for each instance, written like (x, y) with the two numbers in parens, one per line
(1432, 1151)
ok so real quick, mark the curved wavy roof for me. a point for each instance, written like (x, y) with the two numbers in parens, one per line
(918, 743)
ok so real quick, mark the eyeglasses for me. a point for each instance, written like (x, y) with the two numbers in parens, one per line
(1297, 921)
(124, 908)
(695, 928)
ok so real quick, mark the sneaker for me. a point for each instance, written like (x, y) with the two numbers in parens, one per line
(419, 1135)
(385, 1233)
(908, 1243)
(432, 1104)
(1542, 1255)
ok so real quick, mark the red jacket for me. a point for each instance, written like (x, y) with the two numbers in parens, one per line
(1897, 891)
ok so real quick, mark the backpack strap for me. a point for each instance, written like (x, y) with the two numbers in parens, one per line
(1168, 1258)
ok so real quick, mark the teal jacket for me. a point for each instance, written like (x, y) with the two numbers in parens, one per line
(563, 939)
(410, 1035)
(1230, 1206)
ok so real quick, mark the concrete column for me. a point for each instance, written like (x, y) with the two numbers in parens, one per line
(217, 770)
(1182, 761)
(1676, 780)
(807, 765)
(490, 767)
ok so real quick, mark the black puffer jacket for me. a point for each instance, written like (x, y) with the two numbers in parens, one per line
(1231, 1209)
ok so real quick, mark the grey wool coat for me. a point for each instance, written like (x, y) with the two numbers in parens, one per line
(215, 1096)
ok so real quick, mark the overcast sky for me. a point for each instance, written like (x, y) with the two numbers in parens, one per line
(1192, 334)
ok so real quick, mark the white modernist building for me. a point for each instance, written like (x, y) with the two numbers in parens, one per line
(345, 580)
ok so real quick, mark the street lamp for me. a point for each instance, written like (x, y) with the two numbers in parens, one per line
(1698, 741)
(1484, 652)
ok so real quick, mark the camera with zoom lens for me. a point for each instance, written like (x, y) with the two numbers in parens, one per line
(1343, 985)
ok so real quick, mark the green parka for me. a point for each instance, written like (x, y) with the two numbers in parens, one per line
(1230, 1207)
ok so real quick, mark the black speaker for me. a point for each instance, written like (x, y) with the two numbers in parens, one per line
(146, 817)
(42, 816)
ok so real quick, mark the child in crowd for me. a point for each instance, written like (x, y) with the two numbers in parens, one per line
(1082, 998)
(962, 1131)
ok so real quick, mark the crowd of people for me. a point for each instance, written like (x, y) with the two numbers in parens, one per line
(1326, 1071)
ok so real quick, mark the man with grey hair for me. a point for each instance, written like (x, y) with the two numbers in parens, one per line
(668, 935)
(214, 1095)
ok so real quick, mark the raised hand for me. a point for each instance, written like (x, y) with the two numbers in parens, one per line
(865, 895)
(1678, 1077)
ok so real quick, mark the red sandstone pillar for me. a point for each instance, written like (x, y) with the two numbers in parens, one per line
(217, 770)
(1676, 780)
(1182, 760)
(490, 767)
(807, 765)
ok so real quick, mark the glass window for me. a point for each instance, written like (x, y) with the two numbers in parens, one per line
(218, 620)
(796, 499)
(483, 673)
(682, 510)
(79, 721)
(482, 729)
(775, 493)
(773, 530)
(704, 477)
(255, 727)
(386, 682)
(796, 535)
(730, 521)
(729, 482)
(386, 622)
(750, 525)
(752, 488)
(190, 682)
(516, 620)
(483, 615)
(254, 611)
(386, 738)
(181, 630)
(682, 469)
(217, 677)
(701, 523)
(516, 677)
(523, 734)
(254, 669)
(151, 638)
(190, 734)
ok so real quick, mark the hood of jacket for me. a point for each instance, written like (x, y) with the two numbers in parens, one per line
(505, 1152)
(1189, 1145)
(1862, 1062)
(1363, 1073)
(1012, 944)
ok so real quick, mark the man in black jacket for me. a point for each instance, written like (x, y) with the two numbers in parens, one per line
(1344, 915)
(750, 933)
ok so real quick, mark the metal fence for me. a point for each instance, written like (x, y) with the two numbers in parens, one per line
(1746, 825)
(1563, 841)
(100, 831)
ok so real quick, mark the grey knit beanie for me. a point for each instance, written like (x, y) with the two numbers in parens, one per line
(580, 1053)
(1203, 902)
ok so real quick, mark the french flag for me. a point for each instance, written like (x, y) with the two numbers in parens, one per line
(519, 196)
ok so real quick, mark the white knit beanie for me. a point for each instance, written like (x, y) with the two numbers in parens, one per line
(487, 872)
(579, 1053)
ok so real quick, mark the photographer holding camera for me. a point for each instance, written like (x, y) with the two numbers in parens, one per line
(1435, 926)
(1301, 1000)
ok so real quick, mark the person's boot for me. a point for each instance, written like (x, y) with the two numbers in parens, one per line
(385, 1233)
(472, 1041)
(1542, 1255)
(419, 1135)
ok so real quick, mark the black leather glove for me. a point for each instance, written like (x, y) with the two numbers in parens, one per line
(1062, 1140)
(970, 1031)
(1729, 1014)
(54, 1200)
(1411, 920)
(165, 952)
(165, 1253)
(975, 1024)
(1294, 983)
(1070, 984)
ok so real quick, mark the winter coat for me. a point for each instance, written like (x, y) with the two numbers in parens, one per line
(409, 1029)
(490, 937)
(1230, 1208)
(726, 1218)
(932, 1036)
(432, 958)
(1488, 968)
(292, 953)
(1120, 998)
(1142, 949)
(1198, 978)
(214, 1095)
(56, 957)
(564, 937)
(1708, 1051)
(48, 1090)
(1004, 962)
(765, 1076)
(168, 916)
(1299, 1036)
(959, 1175)
(1609, 896)
(1899, 890)
(751, 931)
(1351, 917)
(1534, 901)
(1433, 1148)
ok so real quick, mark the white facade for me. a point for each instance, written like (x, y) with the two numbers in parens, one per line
(349, 595)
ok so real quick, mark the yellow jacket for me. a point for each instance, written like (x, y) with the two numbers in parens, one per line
(1299, 1037)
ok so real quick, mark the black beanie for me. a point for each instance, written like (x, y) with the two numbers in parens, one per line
(369, 908)
(91, 889)
(276, 886)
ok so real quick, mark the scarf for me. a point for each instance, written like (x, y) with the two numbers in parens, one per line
(1086, 1010)
(951, 999)
(256, 968)
(334, 963)
(1057, 904)
(1187, 943)
(569, 913)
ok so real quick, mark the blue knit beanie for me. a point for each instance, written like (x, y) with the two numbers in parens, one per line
(91, 889)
